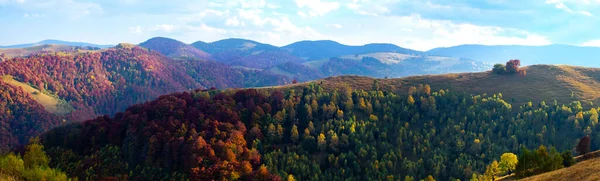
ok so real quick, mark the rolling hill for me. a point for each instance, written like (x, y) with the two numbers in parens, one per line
(44, 90)
(56, 42)
(325, 49)
(310, 60)
(338, 128)
(542, 83)
(246, 53)
(550, 54)
(389, 64)
(174, 49)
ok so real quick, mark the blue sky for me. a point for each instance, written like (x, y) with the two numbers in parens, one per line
(416, 24)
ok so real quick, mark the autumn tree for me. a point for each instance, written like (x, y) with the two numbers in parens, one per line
(294, 133)
(508, 163)
(583, 147)
(512, 66)
(35, 155)
(321, 142)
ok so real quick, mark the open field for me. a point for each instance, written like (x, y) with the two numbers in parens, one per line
(51, 104)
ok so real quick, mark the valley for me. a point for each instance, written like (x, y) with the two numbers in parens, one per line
(237, 109)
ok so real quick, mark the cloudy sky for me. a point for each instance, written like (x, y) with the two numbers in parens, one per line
(416, 24)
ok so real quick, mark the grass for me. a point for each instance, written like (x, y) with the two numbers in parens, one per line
(585, 170)
(564, 84)
(51, 104)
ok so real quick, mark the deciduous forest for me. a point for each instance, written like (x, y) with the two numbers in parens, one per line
(311, 134)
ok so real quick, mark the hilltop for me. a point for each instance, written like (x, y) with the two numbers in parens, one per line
(542, 83)
(173, 48)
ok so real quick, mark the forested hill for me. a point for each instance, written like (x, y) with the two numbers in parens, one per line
(312, 133)
(44, 90)
(563, 83)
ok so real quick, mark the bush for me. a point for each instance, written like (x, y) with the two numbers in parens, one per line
(567, 159)
(499, 69)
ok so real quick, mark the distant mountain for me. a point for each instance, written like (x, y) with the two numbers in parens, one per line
(56, 42)
(12, 52)
(322, 49)
(550, 54)
(387, 64)
(247, 47)
(246, 53)
(173, 48)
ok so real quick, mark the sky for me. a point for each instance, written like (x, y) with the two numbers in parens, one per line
(414, 24)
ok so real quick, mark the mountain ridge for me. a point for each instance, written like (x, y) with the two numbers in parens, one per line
(56, 42)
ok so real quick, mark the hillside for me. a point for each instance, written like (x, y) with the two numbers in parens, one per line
(44, 90)
(549, 54)
(586, 170)
(314, 133)
(542, 83)
(174, 49)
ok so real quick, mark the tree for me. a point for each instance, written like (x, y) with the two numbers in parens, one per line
(321, 142)
(409, 178)
(583, 146)
(499, 69)
(427, 89)
(35, 155)
(491, 171)
(429, 178)
(568, 159)
(508, 163)
(291, 178)
(512, 66)
(411, 100)
(294, 133)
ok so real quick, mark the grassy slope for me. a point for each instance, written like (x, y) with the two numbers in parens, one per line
(51, 104)
(542, 83)
(585, 170)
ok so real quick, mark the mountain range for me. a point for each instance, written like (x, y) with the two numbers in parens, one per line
(56, 42)
(230, 109)
(530, 55)
(237, 51)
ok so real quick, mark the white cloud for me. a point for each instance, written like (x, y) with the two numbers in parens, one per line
(591, 43)
(424, 34)
(136, 30)
(365, 7)
(560, 4)
(317, 7)
(233, 21)
(302, 14)
(254, 4)
(163, 27)
(333, 26)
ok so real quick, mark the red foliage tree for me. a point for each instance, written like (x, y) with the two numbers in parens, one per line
(584, 145)
(512, 66)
